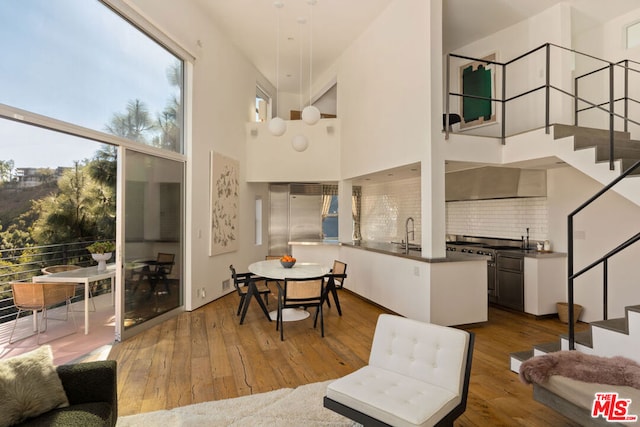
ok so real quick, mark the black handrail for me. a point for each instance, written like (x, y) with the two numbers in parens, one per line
(610, 66)
(604, 259)
(623, 64)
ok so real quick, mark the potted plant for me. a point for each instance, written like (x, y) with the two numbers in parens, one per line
(101, 252)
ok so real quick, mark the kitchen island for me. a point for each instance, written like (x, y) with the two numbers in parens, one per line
(447, 291)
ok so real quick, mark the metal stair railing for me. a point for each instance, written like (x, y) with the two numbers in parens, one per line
(604, 260)
(607, 107)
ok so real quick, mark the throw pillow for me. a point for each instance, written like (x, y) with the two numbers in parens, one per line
(29, 386)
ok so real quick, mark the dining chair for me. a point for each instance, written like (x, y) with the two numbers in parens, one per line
(245, 283)
(41, 296)
(68, 267)
(295, 293)
(334, 281)
(156, 270)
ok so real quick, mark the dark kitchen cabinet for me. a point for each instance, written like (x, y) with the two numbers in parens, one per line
(510, 281)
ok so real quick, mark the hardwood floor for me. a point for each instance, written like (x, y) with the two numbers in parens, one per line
(206, 355)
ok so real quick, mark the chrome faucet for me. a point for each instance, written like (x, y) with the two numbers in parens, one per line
(406, 233)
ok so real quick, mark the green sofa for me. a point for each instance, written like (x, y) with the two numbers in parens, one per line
(92, 392)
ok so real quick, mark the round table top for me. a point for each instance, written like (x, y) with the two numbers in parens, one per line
(272, 269)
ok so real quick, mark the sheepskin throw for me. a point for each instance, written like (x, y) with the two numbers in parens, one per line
(29, 386)
(616, 370)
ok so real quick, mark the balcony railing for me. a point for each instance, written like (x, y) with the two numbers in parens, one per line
(21, 264)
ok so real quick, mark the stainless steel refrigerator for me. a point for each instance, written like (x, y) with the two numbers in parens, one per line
(295, 214)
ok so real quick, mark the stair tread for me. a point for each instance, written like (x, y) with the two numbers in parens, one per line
(521, 355)
(616, 325)
(548, 347)
(583, 338)
(563, 131)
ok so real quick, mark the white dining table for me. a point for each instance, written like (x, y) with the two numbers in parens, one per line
(272, 269)
(84, 276)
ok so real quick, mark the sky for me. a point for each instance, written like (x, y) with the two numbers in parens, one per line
(76, 61)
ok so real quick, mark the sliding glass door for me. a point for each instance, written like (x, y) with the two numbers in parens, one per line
(152, 253)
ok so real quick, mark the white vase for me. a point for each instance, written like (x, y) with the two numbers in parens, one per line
(102, 260)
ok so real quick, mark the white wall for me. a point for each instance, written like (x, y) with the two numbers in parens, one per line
(389, 101)
(223, 101)
(552, 25)
(597, 230)
(273, 159)
(383, 88)
(608, 42)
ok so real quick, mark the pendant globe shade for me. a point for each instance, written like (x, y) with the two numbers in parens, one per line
(277, 126)
(300, 143)
(310, 115)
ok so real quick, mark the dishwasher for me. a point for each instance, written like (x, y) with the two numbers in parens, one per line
(510, 280)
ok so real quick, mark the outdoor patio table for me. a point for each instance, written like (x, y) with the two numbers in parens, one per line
(84, 276)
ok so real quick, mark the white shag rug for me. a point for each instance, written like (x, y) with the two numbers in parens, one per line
(294, 407)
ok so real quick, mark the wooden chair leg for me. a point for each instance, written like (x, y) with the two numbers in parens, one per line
(242, 298)
(281, 325)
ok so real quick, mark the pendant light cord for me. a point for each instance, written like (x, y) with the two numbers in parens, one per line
(300, 22)
(278, 5)
(311, 3)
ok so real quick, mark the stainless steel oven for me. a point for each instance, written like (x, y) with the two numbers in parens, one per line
(505, 268)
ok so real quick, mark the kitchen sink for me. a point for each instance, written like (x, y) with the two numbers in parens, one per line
(412, 246)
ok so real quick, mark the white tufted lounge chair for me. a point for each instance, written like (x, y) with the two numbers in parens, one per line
(418, 375)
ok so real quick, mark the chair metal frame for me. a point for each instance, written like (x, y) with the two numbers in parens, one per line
(52, 269)
(446, 420)
(156, 270)
(40, 296)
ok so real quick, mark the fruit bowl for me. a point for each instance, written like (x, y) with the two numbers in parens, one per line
(287, 261)
(287, 264)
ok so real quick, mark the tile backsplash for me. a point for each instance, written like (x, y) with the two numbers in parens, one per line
(504, 218)
(386, 206)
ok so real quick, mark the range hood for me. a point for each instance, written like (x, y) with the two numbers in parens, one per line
(491, 182)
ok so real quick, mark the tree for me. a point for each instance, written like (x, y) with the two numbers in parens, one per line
(82, 209)
(6, 167)
(134, 124)
(103, 167)
(168, 121)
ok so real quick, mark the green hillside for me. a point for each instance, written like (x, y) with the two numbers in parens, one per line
(15, 201)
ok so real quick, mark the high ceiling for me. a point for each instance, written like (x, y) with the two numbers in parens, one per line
(335, 24)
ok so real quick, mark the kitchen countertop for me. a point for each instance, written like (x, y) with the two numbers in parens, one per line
(534, 253)
(396, 250)
(314, 242)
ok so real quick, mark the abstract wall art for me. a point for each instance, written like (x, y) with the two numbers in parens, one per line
(224, 199)
(477, 79)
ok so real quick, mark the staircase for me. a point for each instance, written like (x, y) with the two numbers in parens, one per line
(626, 150)
(607, 156)
(612, 337)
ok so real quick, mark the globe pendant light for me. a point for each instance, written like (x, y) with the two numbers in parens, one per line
(300, 143)
(310, 114)
(277, 126)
